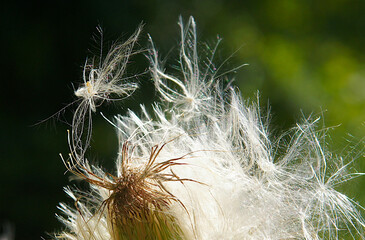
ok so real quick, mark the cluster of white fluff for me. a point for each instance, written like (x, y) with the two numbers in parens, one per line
(245, 184)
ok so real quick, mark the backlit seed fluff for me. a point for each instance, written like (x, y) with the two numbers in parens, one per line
(203, 165)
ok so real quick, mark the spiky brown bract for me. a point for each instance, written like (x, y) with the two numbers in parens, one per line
(137, 202)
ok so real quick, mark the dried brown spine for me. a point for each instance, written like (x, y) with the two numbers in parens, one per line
(138, 201)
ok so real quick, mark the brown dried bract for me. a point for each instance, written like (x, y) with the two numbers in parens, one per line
(138, 195)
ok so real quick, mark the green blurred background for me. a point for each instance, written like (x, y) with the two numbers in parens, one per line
(306, 57)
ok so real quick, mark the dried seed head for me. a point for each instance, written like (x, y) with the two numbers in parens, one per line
(138, 202)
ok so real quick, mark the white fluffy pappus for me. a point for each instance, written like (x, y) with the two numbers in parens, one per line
(101, 81)
(240, 184)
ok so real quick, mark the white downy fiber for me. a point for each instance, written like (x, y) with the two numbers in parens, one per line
(233, 182)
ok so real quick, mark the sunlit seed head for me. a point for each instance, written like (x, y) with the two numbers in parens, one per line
(137, 197)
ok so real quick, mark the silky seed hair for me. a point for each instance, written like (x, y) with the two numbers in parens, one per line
(233, 184)
(102, 81)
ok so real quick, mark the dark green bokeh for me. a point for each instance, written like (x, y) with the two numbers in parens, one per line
(304, 56)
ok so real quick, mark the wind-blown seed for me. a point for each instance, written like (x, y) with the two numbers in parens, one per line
(203, 165)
